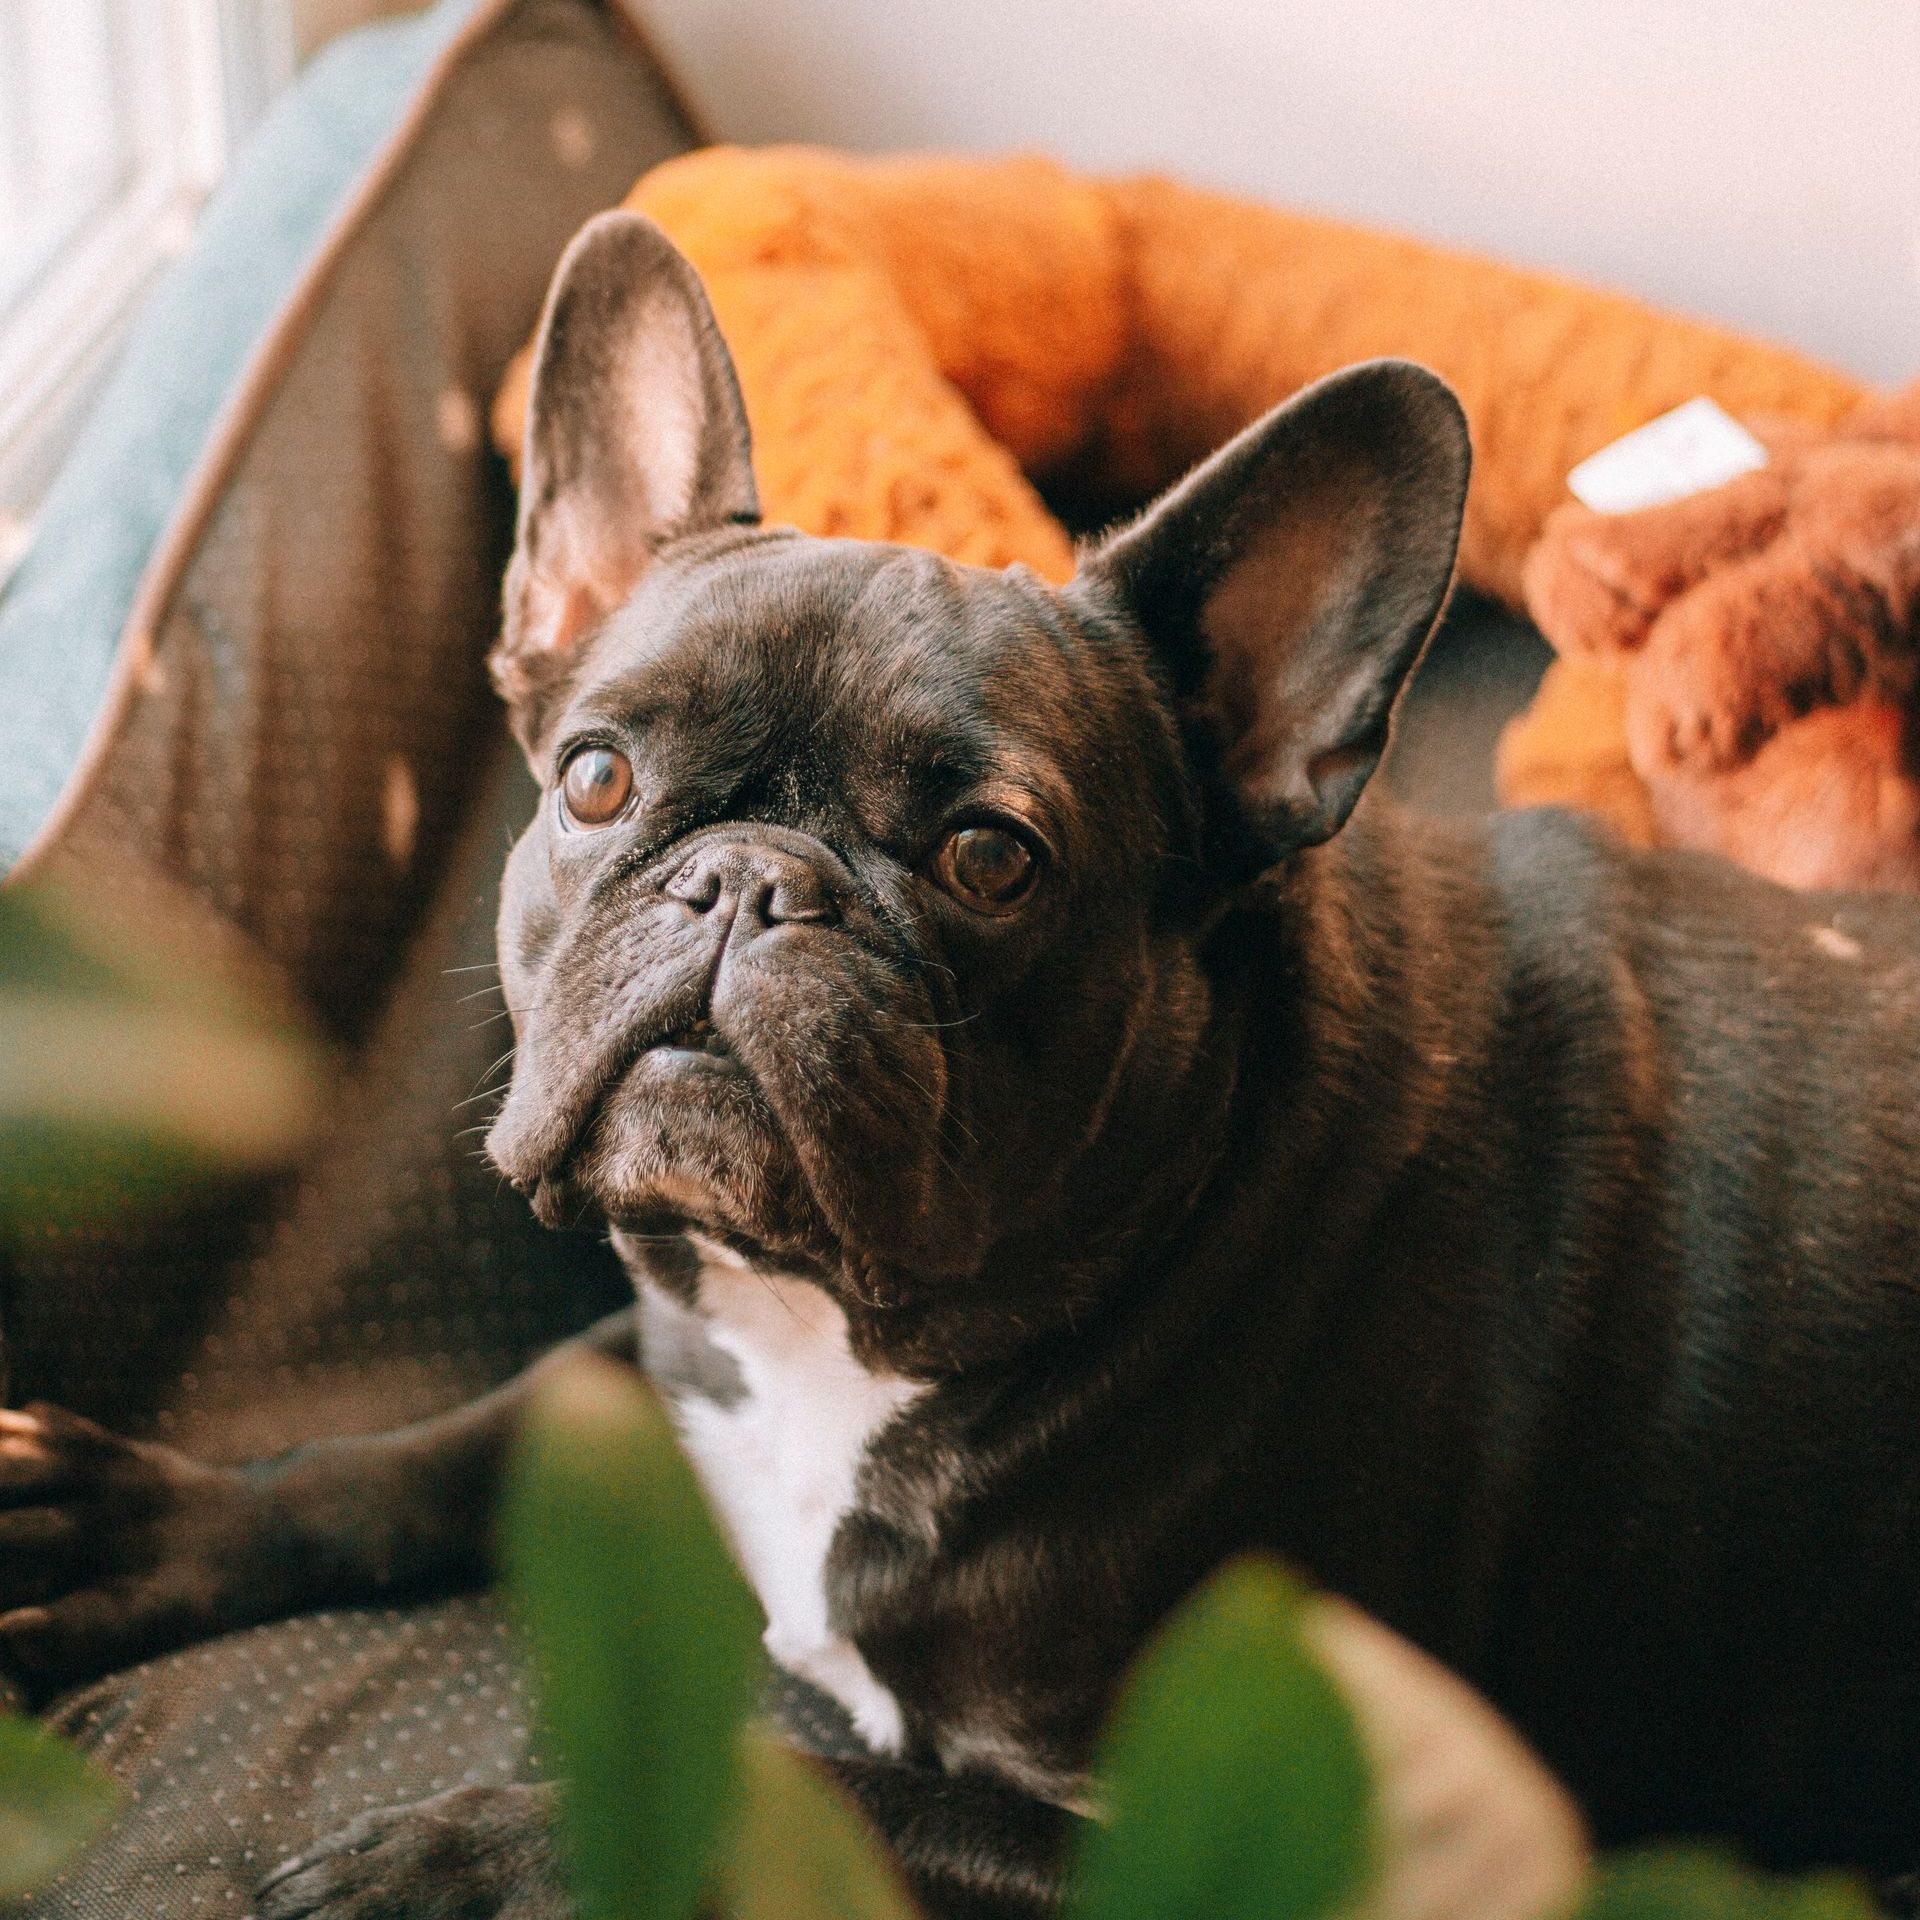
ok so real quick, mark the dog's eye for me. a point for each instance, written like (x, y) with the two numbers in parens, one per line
(986, 868)
(595, 785)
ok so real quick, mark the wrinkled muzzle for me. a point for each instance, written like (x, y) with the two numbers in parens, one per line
(735, 1040)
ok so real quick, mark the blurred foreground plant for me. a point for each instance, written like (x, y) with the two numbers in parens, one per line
(132, 1067)
(1274, 1755)
(135, 1058)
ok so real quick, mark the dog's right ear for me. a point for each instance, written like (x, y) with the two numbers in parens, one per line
(635, 436)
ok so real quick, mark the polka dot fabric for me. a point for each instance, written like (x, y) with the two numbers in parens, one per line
(304, 747)
(240, 1753)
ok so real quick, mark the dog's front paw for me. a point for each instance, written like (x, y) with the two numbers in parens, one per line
(110, 1549)
(477, 1853)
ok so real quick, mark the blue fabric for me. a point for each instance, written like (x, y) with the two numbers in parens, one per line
(62, 613)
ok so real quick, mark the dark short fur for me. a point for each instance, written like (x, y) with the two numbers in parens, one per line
(1516, 1233)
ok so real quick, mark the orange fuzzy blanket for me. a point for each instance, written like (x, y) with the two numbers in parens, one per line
(920, 339)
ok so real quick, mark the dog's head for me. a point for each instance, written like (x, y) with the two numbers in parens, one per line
(861, 918)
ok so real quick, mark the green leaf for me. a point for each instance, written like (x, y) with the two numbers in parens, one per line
(1232, 1774)
(645, 1642)
(132, 1061)
(799, 1851)
(52, 1801)
(43, 948)
(1694, 1884)
(1468, 1823)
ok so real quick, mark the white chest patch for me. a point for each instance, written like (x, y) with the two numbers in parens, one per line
(776, 1430)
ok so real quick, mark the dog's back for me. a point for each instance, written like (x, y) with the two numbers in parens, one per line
(1613, 1401)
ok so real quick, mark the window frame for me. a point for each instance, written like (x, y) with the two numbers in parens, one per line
(203, 73)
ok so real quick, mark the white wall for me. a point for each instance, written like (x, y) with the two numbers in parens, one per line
(1756, 161)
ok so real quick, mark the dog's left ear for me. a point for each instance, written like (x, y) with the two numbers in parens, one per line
(1286, 587)
(635, 436)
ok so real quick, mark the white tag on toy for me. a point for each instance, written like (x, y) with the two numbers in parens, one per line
(1696, 446)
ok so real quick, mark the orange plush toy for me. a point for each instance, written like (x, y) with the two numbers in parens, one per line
(1738, 668)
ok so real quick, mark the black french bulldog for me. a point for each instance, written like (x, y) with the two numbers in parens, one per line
(1060, 1139)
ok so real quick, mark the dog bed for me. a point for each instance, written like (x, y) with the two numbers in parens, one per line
(244, 660)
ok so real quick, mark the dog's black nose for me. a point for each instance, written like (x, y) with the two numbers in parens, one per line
(754, 882)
